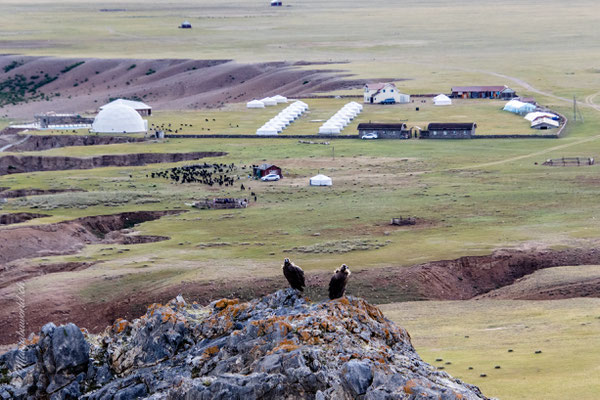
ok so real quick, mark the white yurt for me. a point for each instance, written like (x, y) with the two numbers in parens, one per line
(255, 104)
(442, 100)
(320, 180)
(280, 99)
(268, 101)
(119, 118)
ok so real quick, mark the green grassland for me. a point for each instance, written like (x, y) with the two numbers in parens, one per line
(473, 196)
(434, 42)
(479, 334)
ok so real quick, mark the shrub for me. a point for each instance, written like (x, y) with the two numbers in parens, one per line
(12, 65)
(70, 67)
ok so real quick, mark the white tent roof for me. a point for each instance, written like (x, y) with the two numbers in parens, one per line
(255, 104)
(136, 105)
(267, 130)
(544, 120)
(119, 118)
(442, 100)
(536, 114)
(268, 101)
(280, 99)
(320, 180)
(516, 106)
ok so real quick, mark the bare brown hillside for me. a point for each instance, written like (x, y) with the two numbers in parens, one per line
(40, 84)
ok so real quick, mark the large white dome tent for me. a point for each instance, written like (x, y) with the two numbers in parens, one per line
(119, 118)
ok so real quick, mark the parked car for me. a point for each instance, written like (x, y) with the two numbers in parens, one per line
(270, 177)
(367, 136)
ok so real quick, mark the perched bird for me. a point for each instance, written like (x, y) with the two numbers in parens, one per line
(337, 284)
(294, 275)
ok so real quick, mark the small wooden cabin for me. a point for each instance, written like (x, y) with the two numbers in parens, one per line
(483, 92)
(384, 131)
(449, 130)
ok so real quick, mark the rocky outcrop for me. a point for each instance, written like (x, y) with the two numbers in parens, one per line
(280, 346)
(11, 164)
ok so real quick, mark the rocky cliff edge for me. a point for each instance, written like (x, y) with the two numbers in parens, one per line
(280, 346)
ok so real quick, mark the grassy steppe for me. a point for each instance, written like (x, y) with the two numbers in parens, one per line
(479, 334)
(437, 43)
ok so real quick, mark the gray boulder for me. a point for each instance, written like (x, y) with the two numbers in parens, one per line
(280, 346)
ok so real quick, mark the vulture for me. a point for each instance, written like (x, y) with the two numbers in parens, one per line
(337, 284)
(294, 275)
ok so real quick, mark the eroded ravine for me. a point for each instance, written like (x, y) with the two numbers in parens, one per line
(71, 236)
(11, 164)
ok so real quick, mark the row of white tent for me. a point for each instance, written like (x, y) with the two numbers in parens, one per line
(267, 102)
(282, 120)
(341, 119)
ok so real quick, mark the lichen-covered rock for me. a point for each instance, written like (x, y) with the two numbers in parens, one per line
(280, 346)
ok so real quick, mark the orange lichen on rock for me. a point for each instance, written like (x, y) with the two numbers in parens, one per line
(286, 345)
(344, 301)
(273, 324)
(224, 303)
(308, 338)
(327, 326)
(32, 340)
(119, 325)
(168, 316)
(409, 386)
(152, 309)
(305, 335)
(211, 351)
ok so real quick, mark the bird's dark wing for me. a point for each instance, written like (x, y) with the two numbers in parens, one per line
(299, 278)
(334, 284)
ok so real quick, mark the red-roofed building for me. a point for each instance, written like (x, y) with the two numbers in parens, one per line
(384, 93)
(483, 92)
